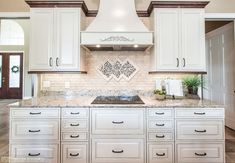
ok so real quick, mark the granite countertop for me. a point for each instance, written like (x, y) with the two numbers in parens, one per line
(85, 102)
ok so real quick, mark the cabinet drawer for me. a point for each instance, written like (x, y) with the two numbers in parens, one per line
(36, 153)
(161, 136)
(161, 113)
(35, 130)
(74, 125)
(161, 153)
(199, 113)
(35, 113)
(203, 153)
(117, 122)
(75, 113)
(201, 130)
(74, 153)
(75, 136)
(117, 150)
(160, 124)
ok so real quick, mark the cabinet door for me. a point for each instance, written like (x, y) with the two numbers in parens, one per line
(193, 40)
(67, 38)
(167, 44)
(41, 40)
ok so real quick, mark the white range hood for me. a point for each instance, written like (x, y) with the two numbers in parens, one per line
(117, 27)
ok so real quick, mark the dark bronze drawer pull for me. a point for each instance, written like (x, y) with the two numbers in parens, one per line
(201, 131)
(34, 130)
(34, 155)
(200, 154)
(114, 151)
(31, 113)
(197, 113)
(74, 155)
(160, 154)
(114, 122)
(159, 113)
(75, 113)
(74, 125)
(74, 136)
(160, 124)
(157, 136)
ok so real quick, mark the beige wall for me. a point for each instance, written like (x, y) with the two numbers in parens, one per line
(94, 83)
(214, 6)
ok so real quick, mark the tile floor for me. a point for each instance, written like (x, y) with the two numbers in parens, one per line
(4, 130)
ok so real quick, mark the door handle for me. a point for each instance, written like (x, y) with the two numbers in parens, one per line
(178, 62)
(184, 62)
(162, 136)
(34, 155)
(74, 125)
(160, 154)
(114, 122)
(51, 61)
(200, 154)
(200, 131)
(161, 125)
(74, 136)
(74, 155)
(116, 151)
(34, 130)
(57, 62)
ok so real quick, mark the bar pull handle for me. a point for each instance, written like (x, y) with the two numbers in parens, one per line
(117, 151)
(34, 155)
(51, 62)
(200, 154)
(34, 131)
(116, 122)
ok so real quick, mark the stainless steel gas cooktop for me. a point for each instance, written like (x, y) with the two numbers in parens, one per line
(117, 100)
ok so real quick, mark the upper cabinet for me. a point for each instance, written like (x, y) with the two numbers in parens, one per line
(55, 40)
(179, 40)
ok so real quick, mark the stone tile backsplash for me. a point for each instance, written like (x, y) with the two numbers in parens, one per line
(128, 75)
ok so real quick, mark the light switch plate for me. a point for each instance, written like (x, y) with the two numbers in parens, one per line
(46, 84)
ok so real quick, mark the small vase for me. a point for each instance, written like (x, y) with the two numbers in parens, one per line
(193, 90)
(160, 97)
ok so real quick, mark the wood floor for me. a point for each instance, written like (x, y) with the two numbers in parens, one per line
(4, 130)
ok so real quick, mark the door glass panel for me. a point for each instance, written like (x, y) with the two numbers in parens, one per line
(14, 71)
(0, 71)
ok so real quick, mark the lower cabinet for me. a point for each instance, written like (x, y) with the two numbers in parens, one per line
(118, 151)
(200, 152)
(74, 152)
(160, 153)
(117, 135)
(34, 153)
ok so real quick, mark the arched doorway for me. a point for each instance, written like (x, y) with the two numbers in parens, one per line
(11, 63)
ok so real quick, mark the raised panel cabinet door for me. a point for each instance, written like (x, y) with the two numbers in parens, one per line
(193, 40)
(167, 44)
(67, 38)
(41, 39)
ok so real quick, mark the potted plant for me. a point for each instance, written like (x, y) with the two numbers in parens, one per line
(160, 95)
(192, 83)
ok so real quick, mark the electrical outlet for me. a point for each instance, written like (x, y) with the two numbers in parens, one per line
(46, 84)
(67, 85)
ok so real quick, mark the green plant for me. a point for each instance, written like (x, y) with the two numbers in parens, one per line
(159, 92)
(192, 83)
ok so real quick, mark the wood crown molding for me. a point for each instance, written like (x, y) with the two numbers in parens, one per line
(92, 13)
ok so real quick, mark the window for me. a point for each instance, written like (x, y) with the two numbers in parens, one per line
(11, 33)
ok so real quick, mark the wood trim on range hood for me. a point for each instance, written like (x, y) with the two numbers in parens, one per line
(141, 13)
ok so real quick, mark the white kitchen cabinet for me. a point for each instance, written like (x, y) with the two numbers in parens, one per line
(41, 39)
(193, 40)
(55, 40)
(180, 40)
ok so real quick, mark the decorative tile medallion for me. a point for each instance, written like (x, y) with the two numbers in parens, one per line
(118, 69)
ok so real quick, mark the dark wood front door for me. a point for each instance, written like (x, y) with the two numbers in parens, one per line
(11, 75)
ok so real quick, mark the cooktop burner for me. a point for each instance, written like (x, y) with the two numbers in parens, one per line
(118, 100)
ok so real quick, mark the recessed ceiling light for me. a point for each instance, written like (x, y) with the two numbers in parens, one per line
(98, 46)
(136, 46)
